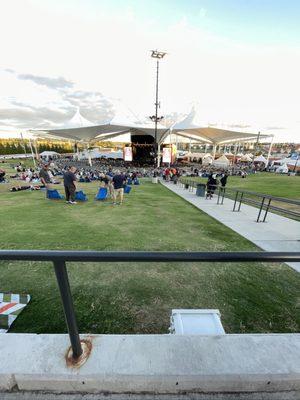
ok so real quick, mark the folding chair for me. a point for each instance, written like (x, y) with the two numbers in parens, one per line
(80, 196)
(53, 194)
(102, 194)
(127, 189)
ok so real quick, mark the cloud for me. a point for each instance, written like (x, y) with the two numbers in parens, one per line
(93, 105)
(54, 107)
(52, 83)
(239, 126)
(274, 128)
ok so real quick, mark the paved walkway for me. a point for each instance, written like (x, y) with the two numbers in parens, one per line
(277, 234)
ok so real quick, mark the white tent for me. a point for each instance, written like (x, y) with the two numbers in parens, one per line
(246, 158)
(221, 162)
(46, 155)
(261, 159)
(292, 163)
(283, 169)
(207, 160)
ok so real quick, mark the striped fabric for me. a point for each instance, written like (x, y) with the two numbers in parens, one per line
(11, 306)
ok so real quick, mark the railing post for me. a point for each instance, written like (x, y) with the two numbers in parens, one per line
(241, 198)
(67, 301)
(261, 208)
(236, 196)
(267, 210)
(223, 195)
(219, 191)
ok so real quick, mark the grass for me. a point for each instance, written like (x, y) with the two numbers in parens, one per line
(138, 298)
(266, 183)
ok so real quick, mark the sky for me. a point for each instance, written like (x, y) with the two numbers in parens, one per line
(236, 61)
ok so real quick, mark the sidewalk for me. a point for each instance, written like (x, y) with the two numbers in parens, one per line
(277, 234)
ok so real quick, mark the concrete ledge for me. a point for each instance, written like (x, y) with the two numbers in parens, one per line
(165, 364)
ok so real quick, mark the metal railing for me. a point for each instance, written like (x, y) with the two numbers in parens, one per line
(59, 259)
(263, 202)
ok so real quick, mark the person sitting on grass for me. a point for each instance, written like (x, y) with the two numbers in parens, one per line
(70, 185)
(118, 183)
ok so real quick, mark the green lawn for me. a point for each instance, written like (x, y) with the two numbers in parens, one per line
(266, 183)
(138, 298)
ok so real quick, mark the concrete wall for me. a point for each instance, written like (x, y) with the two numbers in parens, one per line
(166, 364)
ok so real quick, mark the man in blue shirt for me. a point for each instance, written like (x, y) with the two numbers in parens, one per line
(118, 182)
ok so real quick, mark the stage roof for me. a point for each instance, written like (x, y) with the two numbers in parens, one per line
(82, 130)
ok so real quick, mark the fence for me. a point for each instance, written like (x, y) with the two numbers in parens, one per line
(263, 202)
(59, 259)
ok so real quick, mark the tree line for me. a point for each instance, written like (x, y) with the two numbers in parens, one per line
(16, 146)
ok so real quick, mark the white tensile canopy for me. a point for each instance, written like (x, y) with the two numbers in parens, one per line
(80, 129)
(221, 161)
(191, 126)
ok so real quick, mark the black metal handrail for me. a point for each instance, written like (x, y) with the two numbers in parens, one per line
(59, 259)
(239, 196)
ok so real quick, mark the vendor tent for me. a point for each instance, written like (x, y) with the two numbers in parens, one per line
(207, 160)
(47, 155)
(282, 169)
(261, 159)
(221, 162)
(246, 158)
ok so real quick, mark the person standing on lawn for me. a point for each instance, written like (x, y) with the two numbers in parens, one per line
(118, 182)
(223, 180)
(70, 185)
(45, 176)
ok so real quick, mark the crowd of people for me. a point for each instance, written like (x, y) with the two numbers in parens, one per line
(113, 174)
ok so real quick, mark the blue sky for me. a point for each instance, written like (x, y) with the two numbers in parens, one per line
(256, 21)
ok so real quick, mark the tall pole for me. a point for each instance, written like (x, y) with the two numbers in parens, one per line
(296, 162)
(270, 149)
(32, 153)
(158, 55)
(24, 144)
(156, 106)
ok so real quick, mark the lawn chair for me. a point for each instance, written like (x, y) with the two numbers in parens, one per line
(53, 194)
(102, 194)
(127, 189)
(80, 196)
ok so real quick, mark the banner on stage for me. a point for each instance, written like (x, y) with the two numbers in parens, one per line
(127, 153)
(167, 155)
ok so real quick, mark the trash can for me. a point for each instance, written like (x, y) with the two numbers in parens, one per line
(186, 185)
(200, 190)
(154, 179)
